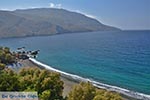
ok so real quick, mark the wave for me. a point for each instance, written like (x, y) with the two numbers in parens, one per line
(133, 94)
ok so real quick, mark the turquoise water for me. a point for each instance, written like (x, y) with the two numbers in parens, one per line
(117, 58)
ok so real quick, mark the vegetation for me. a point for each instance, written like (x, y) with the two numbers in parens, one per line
(6, 57)
(86, 91)
(48, 84)
(9, 81)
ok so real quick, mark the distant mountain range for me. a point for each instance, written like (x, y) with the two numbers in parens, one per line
(46, 21)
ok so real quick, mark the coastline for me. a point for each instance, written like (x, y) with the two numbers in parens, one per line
(71, 80)
(68, 83)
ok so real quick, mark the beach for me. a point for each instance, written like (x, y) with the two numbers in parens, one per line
(69, 82)
(104, 58)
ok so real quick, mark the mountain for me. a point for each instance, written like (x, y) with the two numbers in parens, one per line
(46, 21)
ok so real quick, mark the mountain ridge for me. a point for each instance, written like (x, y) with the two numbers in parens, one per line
(46, 21)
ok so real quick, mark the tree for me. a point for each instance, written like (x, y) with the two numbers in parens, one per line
(86, 91)
(9, 81)
(42, 81)
(83, 91)
(6, 50)
(45, 95)
(2, 66)
(48, 84)
(6, 57)
(106, 95)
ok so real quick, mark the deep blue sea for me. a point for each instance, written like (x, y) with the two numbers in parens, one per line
(116, 58)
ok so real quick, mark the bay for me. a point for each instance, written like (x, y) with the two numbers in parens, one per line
(116, 58)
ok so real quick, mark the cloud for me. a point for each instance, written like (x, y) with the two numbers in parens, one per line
(52, 5)
(88, 15)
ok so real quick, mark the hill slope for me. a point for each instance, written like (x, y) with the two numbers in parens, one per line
(46, 21)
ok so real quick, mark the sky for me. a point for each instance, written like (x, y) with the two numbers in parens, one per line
(124, 14)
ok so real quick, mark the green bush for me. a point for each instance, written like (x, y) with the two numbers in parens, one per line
(6, 57)
(2, 66)
(40, 81)
(86, 91)
(46, 83)
(9, 81)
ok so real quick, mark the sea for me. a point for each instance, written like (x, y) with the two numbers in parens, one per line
(115, 60)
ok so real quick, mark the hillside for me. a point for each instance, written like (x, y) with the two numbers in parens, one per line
(46, 21)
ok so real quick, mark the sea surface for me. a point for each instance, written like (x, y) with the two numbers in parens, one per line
(119, 59)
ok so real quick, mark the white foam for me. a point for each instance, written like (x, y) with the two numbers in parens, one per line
(133, 94)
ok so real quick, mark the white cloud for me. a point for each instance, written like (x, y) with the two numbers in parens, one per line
(52, 5)
(88, 15)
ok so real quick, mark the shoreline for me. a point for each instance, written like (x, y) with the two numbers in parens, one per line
(68, 83)
(70, 80)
